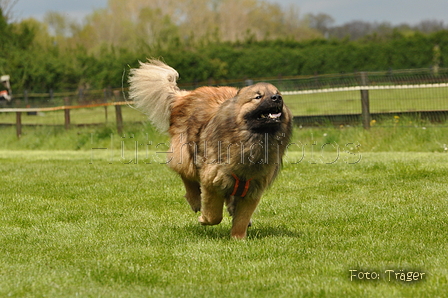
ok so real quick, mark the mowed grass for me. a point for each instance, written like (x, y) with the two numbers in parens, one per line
(75, 224)
(402, 134)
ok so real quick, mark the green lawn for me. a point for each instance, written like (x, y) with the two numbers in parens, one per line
(86, 224)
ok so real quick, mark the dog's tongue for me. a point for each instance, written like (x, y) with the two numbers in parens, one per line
(274, 116)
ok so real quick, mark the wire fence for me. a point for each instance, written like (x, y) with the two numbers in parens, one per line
(82, 96)
(360, 97)
(421, 93)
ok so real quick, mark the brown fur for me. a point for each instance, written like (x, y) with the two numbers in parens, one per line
(218, 132)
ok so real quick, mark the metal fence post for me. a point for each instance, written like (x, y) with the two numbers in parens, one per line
(119, 118)
(107, 98)
(19, 124)
(67, 113)
(365, 104)
(25, 96)
(118, 114)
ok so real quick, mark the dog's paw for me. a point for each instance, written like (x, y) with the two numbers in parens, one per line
(209, 222)
(202, 221)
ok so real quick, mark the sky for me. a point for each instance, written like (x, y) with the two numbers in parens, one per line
(343, 11)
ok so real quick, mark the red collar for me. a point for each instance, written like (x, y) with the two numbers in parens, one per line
(241, 187)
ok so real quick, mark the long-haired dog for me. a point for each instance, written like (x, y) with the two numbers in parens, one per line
(226, 143)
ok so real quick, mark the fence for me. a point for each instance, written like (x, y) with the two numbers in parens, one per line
(82, 96)
(339, 99)
(424, 101)
(367, 96)
(66, 109)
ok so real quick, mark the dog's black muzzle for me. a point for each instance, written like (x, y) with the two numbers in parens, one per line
(267, 115)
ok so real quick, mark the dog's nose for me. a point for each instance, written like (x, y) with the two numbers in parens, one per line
(276, 97)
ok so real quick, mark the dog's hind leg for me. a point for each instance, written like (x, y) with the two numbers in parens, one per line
(212, 205)
(242, 213)
(193, 194)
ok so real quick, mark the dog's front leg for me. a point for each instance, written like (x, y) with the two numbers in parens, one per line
(212, 204)
(242, 213)
(193, 194)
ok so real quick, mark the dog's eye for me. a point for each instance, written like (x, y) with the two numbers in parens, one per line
(258, 96)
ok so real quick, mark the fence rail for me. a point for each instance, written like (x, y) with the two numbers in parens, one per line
(359, 88)
(66, 109)
(51, 109)
(427, 101)
(337, 98)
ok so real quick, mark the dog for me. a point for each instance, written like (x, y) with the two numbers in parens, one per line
(226, 143)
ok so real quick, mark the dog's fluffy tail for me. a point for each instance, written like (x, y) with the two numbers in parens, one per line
(153, 89)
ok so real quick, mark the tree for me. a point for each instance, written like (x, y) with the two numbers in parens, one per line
(6, 6)
(321, 22)
(156, 23)
(430, 26)
(59, 24)
(155, 30)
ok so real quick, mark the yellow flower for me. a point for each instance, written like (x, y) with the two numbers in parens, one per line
(397, 117)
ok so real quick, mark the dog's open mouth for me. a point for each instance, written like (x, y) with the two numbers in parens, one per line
(271, 116)
(267, 117)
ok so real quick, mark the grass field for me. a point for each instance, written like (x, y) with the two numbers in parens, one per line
(398, 134)
(81, 221)
(75, 224)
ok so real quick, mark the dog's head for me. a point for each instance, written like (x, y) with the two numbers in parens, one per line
(262, 108)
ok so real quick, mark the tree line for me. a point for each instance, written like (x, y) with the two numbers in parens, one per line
(227, 39)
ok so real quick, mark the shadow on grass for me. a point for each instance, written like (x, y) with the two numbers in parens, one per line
(271, 231)
(222, 231)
